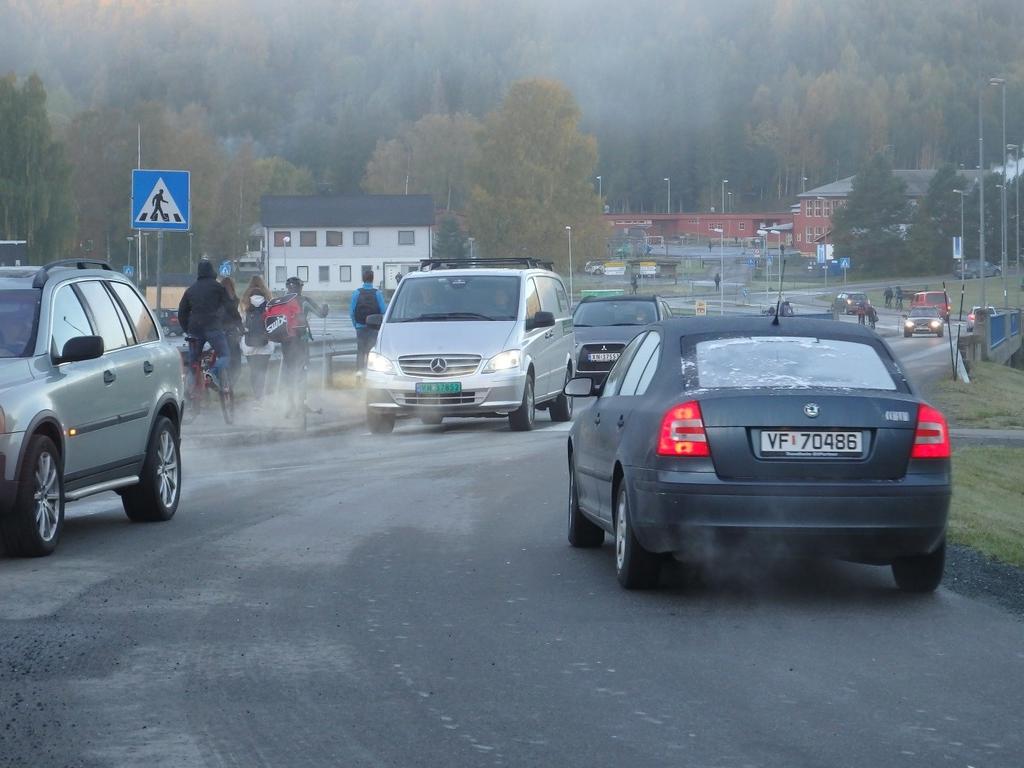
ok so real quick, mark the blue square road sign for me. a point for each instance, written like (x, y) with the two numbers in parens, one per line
(161, 200)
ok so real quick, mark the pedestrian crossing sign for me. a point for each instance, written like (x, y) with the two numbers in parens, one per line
(161, 200)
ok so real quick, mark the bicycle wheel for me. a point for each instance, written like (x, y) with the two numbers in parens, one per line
(194, 391)
(227, 405)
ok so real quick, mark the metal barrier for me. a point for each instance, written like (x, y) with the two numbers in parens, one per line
(997, 330)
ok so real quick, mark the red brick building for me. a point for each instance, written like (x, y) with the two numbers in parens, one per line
(736, 226)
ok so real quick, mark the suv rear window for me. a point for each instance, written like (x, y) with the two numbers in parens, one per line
(787, 362)
(456, 297)
(19, 316)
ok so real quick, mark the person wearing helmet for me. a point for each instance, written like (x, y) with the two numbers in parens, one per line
(295, 351)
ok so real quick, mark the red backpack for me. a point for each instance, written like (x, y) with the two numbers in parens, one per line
(283, 318)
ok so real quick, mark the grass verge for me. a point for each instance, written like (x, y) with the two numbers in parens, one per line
(994, 399)
(988, 502)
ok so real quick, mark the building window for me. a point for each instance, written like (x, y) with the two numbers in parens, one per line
(798, 237)
(324, 274)
(334, 238)
(279, 238)
(303, 274)
(307, 238)
(407, 237)
(280, 274)
(345, 273)
(818, 231)
(361, 237)
(807, 207)
(743, 226)
(809, 234)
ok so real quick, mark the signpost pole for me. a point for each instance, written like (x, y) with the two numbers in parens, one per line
(159, 267)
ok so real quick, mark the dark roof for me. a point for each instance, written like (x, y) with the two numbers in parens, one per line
(917, 182)
(338, 211)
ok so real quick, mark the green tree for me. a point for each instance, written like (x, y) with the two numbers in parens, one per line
(870, 227)
(433, 155)
(535, 177)
(449, 240)
(35, 177)
(936, 221)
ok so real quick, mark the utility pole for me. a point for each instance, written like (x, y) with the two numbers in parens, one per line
(981, 198)
(1001, 82)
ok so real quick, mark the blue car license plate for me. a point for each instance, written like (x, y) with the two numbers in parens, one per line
(438, 387)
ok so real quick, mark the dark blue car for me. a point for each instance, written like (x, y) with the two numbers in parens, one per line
(719, 433)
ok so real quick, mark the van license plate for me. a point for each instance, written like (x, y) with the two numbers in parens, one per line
(796, 444)
(438, 387)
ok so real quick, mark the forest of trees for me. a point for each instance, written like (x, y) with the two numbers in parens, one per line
(774, 95)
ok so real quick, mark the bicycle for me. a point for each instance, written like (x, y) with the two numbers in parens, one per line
(199, 379)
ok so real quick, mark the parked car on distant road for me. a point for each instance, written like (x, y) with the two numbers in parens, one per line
(923, 320)
(91, 397)
(713, 435)
(604, 325)
(594, 268)
(971, 269)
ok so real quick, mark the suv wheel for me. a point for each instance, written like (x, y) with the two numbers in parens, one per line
(522, 418)
(155, 498)
(37, 518)
(561, 408)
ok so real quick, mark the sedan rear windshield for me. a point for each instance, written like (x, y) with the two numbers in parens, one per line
(624, 312)
(787, 362)
(19, 315)
(456, 297)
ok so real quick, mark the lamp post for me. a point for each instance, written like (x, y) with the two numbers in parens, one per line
(724, 182)
(668, 200)
(731, 207)
(471, 241)
(767, 272)
(963, 263)
(600, 188)
(721, 273)
(287, 240)
(190, 251)
(1001, 82)
(129, 239)
(981, 199)
(568, 231)
(1016, 217)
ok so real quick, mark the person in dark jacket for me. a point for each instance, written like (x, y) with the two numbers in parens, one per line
(201, 313)
(233, 330)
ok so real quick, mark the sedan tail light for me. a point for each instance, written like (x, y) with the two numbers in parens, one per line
(931, 438)
(682, 432)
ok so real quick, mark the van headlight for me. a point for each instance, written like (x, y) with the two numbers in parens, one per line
(378, 363)
(504, 361)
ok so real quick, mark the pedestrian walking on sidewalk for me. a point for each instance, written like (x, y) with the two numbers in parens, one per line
(718, 280)
(233, 330)
(898, 294)
(366, 301)
(256, 344)
(888, 296)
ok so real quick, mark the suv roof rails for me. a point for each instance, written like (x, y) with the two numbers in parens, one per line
(44, 271)
(428, 265)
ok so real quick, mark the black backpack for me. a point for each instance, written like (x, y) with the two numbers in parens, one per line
(366, 305)
(255, 327)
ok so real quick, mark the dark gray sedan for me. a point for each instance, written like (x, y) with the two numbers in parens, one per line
(801, 437)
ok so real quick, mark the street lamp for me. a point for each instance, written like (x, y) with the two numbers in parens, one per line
(668, 202)
(963, 263)
(803, 184)
(471, 241)
(1001, 82)
(287, 240)
(981, 198)
(1016, 216)
(190, 251)
(724, 182)
(721, 273)
(600, 188)
(731, 207)
(568, 231)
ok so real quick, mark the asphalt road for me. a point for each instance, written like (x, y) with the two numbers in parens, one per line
(410, 600)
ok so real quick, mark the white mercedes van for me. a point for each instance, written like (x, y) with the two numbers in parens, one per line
(490, 337)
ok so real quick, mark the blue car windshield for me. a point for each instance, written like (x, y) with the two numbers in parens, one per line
(19, 316)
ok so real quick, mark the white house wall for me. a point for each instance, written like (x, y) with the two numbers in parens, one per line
(383, 250)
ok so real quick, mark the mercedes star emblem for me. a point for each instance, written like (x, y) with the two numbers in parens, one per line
(440, 365)
(811, 410)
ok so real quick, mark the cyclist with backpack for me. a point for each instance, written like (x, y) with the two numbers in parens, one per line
(286, 323)
(202, 312)
(256, 344)
(366, 301)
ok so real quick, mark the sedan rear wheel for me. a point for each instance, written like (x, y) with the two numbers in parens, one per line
(582, 533)
(921, 573)
(635, 567)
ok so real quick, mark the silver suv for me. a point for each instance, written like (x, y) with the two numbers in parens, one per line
(90, 401)
(494, 339)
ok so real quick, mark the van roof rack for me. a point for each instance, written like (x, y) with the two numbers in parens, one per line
(428, 265)
(44, 271)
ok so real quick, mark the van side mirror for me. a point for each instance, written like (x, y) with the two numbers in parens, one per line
(540, 320)
(81, 348)
(580, 386)
(374, 321)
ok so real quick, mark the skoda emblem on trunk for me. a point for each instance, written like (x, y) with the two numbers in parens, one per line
(439, 365)
(811, 410)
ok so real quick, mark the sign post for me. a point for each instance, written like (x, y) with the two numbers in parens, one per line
(161, 202)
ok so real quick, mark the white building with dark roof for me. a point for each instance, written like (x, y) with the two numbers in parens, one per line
(328, 240)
